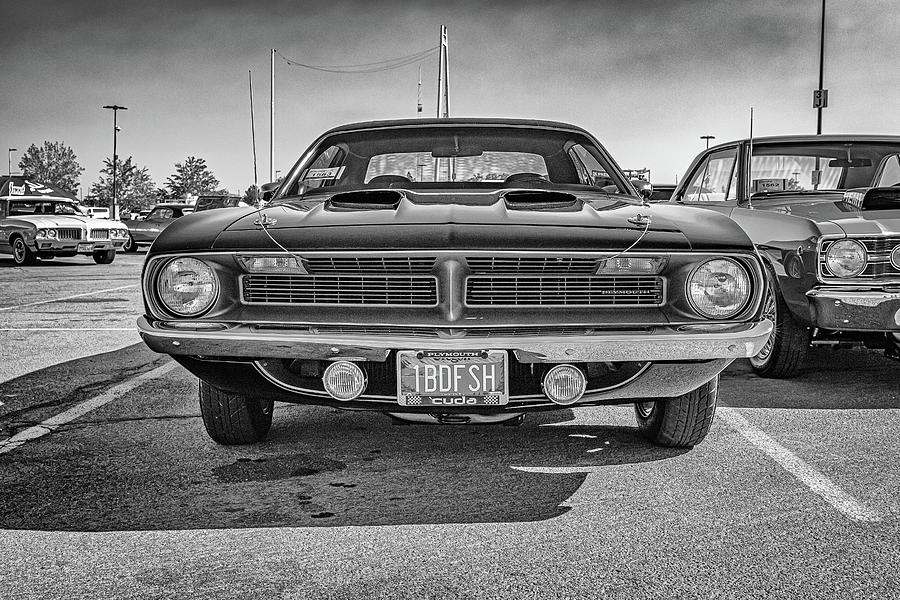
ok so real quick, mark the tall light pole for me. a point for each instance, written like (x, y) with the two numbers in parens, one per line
(9, 161)
(820, 96)
(112, 203)
(707, 138)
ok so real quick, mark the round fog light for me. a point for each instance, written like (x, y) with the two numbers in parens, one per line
(564, 384)
(344, 380)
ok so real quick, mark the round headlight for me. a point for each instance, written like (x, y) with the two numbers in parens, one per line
(187, 286)
(846, 258)
(719, 288)
(41, 233)
(51, 233)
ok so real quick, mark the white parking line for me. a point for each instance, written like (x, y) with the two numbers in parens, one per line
(94, 293)
(53, 423)
(790, 462)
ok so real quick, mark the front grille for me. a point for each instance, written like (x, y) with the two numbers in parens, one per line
(99, 234)
(531, 290)
(340, 289)
(437, 332)
(532, 264)
(879, 264)
(375, 265)
(68, 233)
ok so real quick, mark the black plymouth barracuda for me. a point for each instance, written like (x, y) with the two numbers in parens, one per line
(456, 271)
(824, 212)
(40, 221)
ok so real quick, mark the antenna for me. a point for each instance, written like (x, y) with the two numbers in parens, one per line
(253, 134)
(750, 162)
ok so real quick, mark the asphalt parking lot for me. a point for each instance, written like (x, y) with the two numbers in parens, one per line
(110, 488)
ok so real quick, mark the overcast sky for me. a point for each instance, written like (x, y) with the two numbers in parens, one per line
(647, 78)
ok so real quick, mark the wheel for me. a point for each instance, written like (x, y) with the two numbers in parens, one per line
(783, 354)
(233, 419)
(22, 255)
(104, 257)
(130, 245)
(680, 422)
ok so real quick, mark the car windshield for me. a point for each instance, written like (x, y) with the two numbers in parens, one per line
(454, 157)
(818, 166)
(42, 207)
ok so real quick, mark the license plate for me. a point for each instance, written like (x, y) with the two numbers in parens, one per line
(85, 247)
(452, 378)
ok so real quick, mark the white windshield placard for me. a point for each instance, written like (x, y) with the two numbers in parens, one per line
(331, 173)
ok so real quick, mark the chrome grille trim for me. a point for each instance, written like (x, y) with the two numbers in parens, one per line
(540, 290)
(431, 332)
(564, 265)
(356, 290)
(878, 268)
(99, 234)
(68, 233)
(377, 265)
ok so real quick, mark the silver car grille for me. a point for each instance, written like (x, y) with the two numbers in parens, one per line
(554, 290)
(68, 233)
(99, 234)
(879, 265)
(532, 265)
(374, 265)
(369, 290)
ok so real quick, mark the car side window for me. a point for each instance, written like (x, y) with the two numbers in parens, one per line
(589, 169)
(889, 172)
(325, 170)
(715, 179)
(2, 210)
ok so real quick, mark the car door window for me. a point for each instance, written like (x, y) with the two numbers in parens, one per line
(889, 172)
(715, 180)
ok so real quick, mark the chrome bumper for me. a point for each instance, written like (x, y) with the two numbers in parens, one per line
(72, 245)
(845, 309)
(660, 344)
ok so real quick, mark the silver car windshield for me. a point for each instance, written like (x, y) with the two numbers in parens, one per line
(41, 207)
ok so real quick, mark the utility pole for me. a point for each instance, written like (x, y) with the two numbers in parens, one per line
(443, 100)
(820, 96)
(419, 95)
(9, 161)
(272, 118)
(114, 200)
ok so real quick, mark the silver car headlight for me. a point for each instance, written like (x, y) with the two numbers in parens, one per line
(49, 234)
(846, 258)
(719, 288)
(187, 287)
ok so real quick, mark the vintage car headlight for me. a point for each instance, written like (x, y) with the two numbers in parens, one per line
(49, 234)
(187, 286)
(118, 233)
(846, 258)
(719, 288)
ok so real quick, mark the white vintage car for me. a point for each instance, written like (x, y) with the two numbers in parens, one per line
(39, 221)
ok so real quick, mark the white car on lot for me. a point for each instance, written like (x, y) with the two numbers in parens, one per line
(40, 221)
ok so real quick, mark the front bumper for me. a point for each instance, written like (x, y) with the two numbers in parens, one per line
(72, 246)
(844, 309)
(693, 343)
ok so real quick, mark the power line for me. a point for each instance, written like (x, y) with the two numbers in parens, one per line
(373, 67)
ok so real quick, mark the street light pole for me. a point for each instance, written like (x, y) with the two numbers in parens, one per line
(9, 161)
(113, 202)
(822, 100)
(707, 138)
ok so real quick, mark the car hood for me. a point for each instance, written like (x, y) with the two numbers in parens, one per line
(833, 209)
(448, 221)
(46, 221)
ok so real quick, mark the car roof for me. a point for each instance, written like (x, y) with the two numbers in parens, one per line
(803, 139)
(456, 121)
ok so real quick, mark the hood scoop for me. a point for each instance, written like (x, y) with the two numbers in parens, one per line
(880, 198)
(541, 200)
(365, 200)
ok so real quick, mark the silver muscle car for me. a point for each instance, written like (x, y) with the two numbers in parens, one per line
(38, 221)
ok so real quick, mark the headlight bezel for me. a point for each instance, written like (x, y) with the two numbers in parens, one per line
(159, 293)
(741, 307)
(826, 258)
(46, 233)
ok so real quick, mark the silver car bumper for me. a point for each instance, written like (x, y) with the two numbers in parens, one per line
(845, 309)
(693, 343)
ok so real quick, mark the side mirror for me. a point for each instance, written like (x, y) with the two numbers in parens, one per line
(644, 188)
(267, 190)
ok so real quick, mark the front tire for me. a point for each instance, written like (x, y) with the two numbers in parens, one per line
(783, 354)
(130, 245)
(22, 254)
(104, 257)
(680, 422)
(233, 419)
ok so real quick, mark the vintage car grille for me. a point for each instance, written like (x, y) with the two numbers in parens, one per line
(546, 290)
(376, 265)
(434, 332)
(68, 233)
(532, 264)
(879, 266)
(99, 234)
(393, 290)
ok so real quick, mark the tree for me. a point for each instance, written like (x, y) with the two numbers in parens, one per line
(191, 178)
(251, 195)
(134, 187)
(53, 163)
